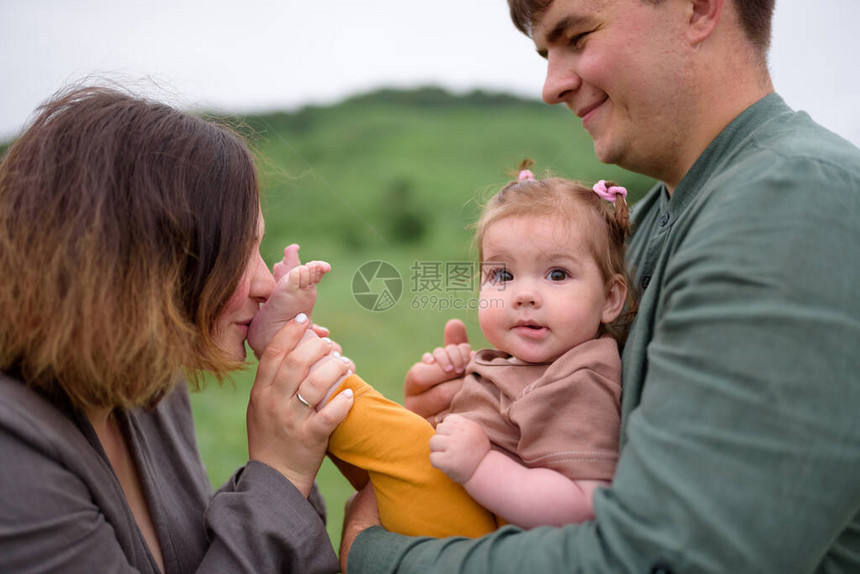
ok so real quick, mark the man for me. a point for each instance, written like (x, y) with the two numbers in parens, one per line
(740, 446)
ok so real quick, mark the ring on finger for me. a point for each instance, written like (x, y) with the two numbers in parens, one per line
(302, 400)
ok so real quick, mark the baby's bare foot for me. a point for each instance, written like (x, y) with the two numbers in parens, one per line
(294, 293)
(290, 260)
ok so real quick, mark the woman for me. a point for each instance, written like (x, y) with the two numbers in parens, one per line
(129, 243)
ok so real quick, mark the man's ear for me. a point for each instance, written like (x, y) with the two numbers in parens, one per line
(616, 295)
(704, 15)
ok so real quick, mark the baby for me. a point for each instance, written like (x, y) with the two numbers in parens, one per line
(537, 414)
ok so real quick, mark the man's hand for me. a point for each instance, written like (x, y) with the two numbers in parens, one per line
(431, 384)
(361, 512)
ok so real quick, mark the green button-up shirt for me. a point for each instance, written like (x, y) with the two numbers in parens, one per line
(741, 389)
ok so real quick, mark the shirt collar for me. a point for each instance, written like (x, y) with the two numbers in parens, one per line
(721, 150)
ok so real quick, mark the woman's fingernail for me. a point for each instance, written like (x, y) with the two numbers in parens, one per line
(347, 393)
(327, 340)
(336, 354)
(301, 318)
(346, 360)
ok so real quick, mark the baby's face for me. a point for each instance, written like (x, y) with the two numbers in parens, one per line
(542, 292)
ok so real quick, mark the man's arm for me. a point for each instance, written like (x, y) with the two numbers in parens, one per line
(744, 452)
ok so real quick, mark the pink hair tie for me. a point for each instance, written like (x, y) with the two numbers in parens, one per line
(526, 175)
(609, 193)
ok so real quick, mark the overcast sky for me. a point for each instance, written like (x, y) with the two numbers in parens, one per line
(255, 55)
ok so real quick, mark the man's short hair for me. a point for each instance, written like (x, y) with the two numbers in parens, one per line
(756, 17)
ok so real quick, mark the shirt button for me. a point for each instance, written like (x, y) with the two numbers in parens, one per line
(664, 219)
(645, 281)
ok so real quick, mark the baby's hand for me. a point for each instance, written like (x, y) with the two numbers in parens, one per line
(451, 359)
(443, 368)
(458, 447)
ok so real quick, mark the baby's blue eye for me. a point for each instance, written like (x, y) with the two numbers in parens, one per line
(499, 275)
(557, 275)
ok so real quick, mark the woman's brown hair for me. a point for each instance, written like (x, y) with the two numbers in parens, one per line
(125, 227)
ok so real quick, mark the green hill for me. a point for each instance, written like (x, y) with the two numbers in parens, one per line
(376, 166)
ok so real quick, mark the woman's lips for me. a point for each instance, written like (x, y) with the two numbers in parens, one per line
(243, 328)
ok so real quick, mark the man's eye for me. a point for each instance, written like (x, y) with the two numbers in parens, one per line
(576, 41)
(557, 275)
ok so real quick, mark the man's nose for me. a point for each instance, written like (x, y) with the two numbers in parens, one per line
(561, 81)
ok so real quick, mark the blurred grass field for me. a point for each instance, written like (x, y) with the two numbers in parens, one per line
(394, 176)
